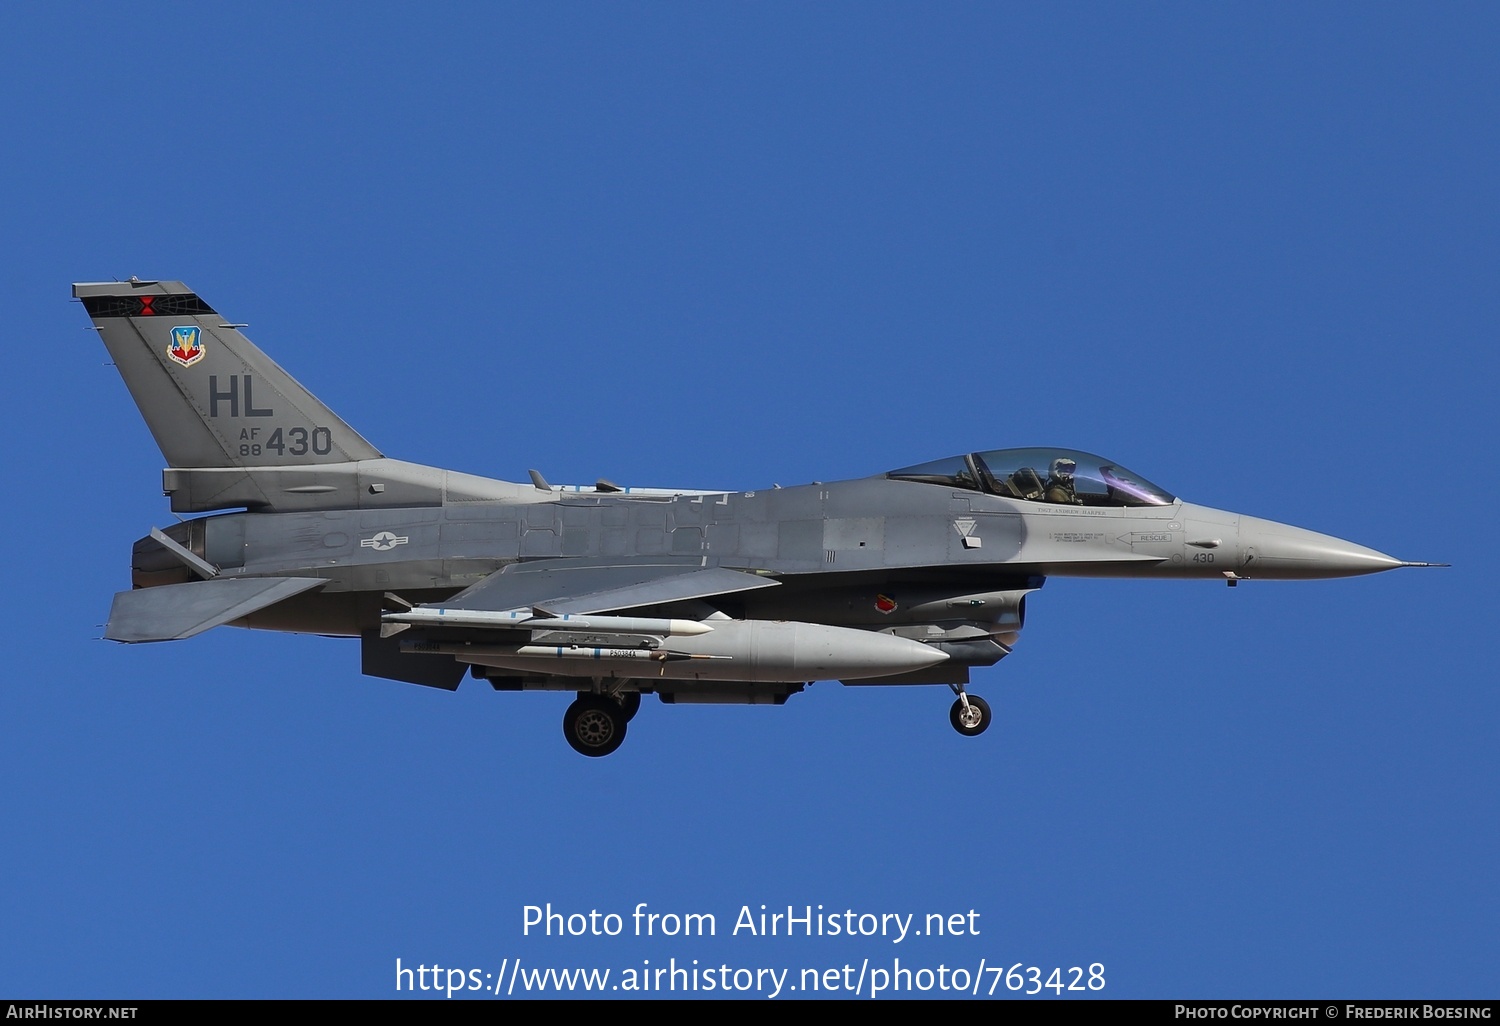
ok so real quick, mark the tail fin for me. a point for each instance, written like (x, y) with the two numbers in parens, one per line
(236, 430)
(210, 397)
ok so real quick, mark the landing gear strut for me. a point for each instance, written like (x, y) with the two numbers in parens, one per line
(595, 725)
(970, 715)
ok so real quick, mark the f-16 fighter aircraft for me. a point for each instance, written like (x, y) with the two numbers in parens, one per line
(911, 577)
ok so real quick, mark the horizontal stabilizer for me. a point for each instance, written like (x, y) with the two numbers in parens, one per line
(574, 589)
(177, 611)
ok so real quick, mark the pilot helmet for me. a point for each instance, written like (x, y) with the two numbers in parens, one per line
(1063, 467)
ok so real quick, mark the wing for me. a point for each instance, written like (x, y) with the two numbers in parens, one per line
(569, 587)
(537, 594)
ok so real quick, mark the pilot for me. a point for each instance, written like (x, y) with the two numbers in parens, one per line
(1060, 482)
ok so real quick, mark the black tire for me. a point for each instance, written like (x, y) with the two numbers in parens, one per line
(594, 726)
(630, 701)
(972, 729)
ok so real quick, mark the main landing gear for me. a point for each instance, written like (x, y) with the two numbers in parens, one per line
(595, 724)
(970, 715)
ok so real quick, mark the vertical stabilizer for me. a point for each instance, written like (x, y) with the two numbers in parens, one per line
(211, 398)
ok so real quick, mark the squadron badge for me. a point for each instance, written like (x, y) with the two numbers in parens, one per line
(187, 345)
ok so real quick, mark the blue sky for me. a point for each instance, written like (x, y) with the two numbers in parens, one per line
(1248, 251)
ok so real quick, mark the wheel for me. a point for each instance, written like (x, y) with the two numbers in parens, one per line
(970, 722)
(594, 726)
(630, 701)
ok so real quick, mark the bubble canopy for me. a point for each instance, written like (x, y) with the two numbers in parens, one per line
(1058, 476)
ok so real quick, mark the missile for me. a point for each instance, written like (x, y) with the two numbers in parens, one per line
(761, 651)
(531, 654)
(525, 619)
(598, 653)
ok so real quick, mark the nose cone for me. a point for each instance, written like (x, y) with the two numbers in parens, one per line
(1282, 552)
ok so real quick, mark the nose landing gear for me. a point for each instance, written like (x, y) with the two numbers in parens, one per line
(970, 714)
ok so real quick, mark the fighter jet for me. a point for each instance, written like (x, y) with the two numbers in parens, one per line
(916, 576)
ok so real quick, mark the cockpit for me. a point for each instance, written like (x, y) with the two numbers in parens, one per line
(1058, 476)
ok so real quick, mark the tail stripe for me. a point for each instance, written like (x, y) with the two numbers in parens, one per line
(145, 306)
